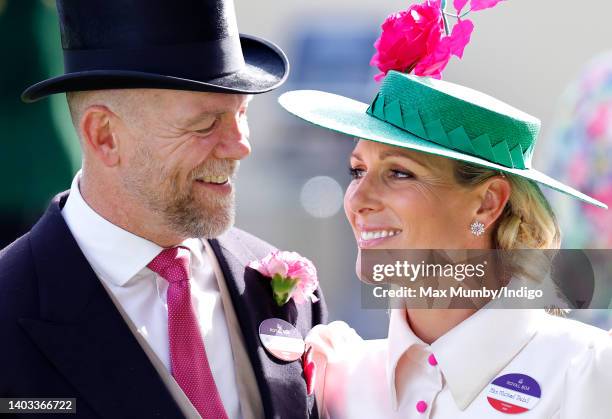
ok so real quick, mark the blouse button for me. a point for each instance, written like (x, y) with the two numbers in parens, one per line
(432, 360)
(421, 406)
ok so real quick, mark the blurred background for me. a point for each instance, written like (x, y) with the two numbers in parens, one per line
(548, 58)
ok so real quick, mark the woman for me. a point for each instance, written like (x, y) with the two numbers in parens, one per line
(441, 166)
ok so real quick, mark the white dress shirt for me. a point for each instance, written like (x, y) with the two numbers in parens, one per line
(403, 377)
(119, 259)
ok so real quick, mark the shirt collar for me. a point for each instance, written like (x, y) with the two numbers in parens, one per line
(472, 353)
(401, 339)
(115, 254)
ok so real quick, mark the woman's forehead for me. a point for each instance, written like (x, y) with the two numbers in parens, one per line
(369, 149)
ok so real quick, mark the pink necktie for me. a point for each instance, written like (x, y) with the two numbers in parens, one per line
(188, 361)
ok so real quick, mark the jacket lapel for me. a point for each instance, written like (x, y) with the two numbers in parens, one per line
(281, 384)
(83, 335)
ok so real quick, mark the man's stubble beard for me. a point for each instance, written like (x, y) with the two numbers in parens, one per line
(174, 202)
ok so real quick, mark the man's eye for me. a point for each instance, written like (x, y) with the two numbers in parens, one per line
(208, 129)
(356, 173)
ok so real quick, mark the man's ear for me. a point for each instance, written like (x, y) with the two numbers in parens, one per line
(98, 136)
(494, 193)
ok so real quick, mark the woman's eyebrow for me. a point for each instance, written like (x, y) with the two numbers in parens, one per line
(356, 156)
(400, 153)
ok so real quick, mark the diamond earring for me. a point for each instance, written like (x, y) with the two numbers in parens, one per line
(477, 228)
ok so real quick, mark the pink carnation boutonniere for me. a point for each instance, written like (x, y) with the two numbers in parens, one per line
(420, 40)
(291, 276)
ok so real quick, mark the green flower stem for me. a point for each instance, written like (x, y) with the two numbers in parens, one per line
(442, 7)
(282, 289)
(457, 16)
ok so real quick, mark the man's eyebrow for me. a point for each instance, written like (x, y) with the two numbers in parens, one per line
(204, 114)
(194, 119)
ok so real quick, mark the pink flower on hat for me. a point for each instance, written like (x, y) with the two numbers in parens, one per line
(291, 275)
(415, 40)
(408, 37)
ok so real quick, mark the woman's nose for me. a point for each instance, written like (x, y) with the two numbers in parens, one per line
(363, 197)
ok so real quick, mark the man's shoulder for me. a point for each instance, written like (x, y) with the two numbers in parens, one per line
(18, 294)
(15, 260)
(258, 247)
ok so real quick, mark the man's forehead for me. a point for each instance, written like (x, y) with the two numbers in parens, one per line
(189, 103)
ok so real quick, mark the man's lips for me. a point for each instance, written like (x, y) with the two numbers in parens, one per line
(214, 179)
(219, 185)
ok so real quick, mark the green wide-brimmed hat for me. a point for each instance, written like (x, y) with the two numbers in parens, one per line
(435, 117)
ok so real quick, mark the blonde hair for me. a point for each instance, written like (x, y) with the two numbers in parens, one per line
(527, 221)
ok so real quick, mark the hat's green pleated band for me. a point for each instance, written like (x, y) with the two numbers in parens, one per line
(457, 118)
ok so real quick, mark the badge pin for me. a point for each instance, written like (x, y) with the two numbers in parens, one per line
(281, 339)
(514, 393)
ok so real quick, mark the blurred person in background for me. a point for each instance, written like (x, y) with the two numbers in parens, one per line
(441, 166)
(38, 154)
(578, 151)
(131, 293)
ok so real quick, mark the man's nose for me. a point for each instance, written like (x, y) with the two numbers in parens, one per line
(234, 142)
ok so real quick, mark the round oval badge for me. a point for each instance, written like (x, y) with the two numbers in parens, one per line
(281, 339)
(514, 393)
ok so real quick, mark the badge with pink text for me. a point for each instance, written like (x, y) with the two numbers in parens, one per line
(281, 339)
(514, 393)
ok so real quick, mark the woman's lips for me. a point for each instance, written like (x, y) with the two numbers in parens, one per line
(369, 238)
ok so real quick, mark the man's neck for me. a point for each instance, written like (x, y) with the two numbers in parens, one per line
(120, 210)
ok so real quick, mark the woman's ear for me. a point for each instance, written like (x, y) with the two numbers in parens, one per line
(98, 136)
(494, 193)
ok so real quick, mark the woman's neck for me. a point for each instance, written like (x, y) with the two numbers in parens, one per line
(430, 324)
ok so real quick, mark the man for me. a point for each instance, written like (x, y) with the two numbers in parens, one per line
(131, 294)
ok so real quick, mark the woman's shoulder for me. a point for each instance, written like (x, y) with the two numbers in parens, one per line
(588, 377)
(575, 333)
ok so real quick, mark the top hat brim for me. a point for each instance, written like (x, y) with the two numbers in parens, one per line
(349, 117)
(266, 68)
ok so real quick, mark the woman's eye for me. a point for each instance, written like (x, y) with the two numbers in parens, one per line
(401, 174)
(356, 173)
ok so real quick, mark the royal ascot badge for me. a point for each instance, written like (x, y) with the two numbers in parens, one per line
(291, 276)
(281, 339)
(514, 393)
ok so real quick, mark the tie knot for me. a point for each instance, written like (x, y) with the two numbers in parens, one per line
(172, 264)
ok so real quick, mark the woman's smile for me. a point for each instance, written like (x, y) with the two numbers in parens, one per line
(374, 236)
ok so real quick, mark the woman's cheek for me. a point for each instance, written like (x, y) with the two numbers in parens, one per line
(347, 210)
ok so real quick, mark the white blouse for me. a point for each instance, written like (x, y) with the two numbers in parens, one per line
(495, 363)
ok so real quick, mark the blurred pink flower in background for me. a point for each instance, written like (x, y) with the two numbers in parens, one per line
(597, 126)
(578, 152)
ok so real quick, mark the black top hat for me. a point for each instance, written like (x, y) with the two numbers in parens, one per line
(179, 44)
